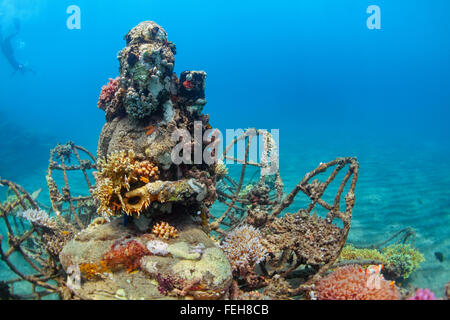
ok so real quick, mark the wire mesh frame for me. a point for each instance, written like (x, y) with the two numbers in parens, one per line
(233, 203)
(44, 269)
(314, 191)
(77, 204)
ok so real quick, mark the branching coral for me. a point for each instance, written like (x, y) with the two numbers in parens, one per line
(127, 254)
(352, 283)
(164, 230)
(54, 236)
(403, 258)
(221, 169)
(244, 248)
(116, 176)
(38, 217)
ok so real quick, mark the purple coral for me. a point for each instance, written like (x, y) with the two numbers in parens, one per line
(423, 294)
(166, 283)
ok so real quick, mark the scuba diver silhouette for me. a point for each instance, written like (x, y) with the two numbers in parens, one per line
(8, 51)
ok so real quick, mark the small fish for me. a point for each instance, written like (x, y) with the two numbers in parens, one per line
(149, 130)
(439, 256)
(188, 84)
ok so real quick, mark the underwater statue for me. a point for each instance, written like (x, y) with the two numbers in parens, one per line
(8, 51)
(162, 244)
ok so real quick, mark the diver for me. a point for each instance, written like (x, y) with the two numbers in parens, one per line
(8, 51)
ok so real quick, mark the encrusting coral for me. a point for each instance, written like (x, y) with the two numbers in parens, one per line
(164, 230)
(353, 283)
(125, 255)
(313, 241)
(108, 92)
(92, 271)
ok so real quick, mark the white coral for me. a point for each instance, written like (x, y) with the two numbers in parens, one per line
(38, 217)
(244, 247)
(158, 248)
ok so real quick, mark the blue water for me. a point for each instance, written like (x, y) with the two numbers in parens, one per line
(309, 68)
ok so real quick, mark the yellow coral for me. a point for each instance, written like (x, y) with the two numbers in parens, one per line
(117, 175)
(164, 230)
(349, 252)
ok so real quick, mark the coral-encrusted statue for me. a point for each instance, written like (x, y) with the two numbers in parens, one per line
(149, 103)
(136, 177)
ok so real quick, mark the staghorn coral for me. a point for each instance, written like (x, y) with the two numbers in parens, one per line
(127, 254)
(403, 259)
(244, 248)
(352, 283)
(116, 176)
(164, 230)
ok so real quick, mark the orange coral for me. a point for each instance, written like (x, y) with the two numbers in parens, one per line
(116, 176)
(164, 230)
(146, 169)
(352, 283)
(127, 254)
(93, 270)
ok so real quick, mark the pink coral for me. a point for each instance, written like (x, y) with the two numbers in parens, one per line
(423, 294)
(108, 92)
(353, 283)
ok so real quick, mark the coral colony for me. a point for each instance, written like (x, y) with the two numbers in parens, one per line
(173, 245)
